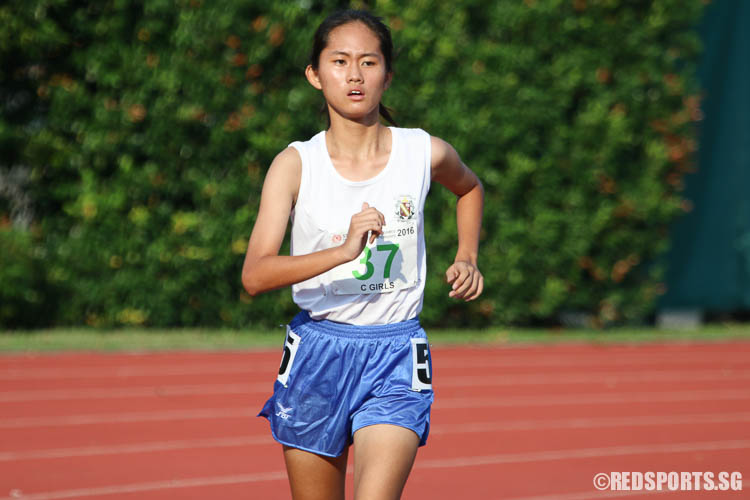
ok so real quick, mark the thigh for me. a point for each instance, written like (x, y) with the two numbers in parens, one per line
(315, 477)
(383, 457)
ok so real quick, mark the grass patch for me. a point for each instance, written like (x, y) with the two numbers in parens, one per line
(707, 333)
(91, 339)
(142, 339)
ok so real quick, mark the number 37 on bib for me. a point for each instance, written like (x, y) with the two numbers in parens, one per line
(389, 264)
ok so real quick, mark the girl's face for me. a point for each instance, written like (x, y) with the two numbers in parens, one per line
(351, 72)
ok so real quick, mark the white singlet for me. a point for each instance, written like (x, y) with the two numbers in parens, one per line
(385, 284)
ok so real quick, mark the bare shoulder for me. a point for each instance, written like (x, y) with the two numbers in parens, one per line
(445, 159)
(277, 199)
(288, 161)
(441, 150)
(449, 170)
(285, 173)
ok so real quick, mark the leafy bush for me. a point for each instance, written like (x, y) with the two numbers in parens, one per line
(148, 127)
(25, 295)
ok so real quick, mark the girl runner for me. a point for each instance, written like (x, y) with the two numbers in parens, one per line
(356, 365)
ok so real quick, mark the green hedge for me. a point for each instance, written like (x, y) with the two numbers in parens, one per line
(147, 127)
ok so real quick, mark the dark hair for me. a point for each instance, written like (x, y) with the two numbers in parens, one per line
(376, 25)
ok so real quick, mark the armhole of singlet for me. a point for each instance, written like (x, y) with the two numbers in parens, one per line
(428, 163)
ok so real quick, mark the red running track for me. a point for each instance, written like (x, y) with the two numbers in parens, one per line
(522, 423)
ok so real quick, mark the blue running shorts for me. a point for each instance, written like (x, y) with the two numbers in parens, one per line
(336, 378)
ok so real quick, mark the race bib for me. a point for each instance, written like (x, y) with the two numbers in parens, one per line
(421, 378)
(389, 264)
(287, 359)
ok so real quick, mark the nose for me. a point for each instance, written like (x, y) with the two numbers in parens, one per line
(354, 74)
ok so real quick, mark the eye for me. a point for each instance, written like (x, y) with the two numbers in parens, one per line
(368, 63)
(339, 62)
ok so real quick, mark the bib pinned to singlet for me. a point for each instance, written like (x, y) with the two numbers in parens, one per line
(387, 265)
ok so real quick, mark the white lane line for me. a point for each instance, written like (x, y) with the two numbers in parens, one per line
(440, 404)
(437, 429)
(122, 418)
(29, 373)
(473, 461)
(150, 486)
(601, 359)
(88, 451)
(595, 378)
(595, 398)
(592, 423)
(590, 495)
(583, 453)
(133, 392)
(449, 381)
(604, 358)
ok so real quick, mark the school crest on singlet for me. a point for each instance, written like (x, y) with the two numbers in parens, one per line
(405, 208)
(387, 265)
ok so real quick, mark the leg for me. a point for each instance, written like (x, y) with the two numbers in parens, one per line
(383, 456)
(315, 477)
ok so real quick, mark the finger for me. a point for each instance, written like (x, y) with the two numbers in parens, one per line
(381, 217)
(467, 288)
(365, 206)
(464, 274)
(450, 275)
(480, 288)
(369, 216)
(375, 225)
(471, 292)
(460, 283)
(375, 213)
(360, 226)
(375, 233)
(362, 223)
(373, 230)
(463, 284)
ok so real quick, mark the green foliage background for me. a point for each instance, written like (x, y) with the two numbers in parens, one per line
(141, 132)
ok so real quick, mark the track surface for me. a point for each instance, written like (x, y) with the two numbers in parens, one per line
(522, 423)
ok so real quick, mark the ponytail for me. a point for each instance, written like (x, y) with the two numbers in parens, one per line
(386, 114)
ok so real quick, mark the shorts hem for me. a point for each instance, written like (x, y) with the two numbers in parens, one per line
(303, 448)
(421, 435)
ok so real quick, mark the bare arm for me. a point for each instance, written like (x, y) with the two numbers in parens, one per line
(448, 169)
(264, 269)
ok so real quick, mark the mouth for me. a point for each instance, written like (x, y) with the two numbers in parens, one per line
(356, 94)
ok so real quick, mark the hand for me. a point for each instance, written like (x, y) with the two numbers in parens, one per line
(369, 220)
(466, 280)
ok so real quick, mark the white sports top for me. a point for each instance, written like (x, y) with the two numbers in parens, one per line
(385, 284)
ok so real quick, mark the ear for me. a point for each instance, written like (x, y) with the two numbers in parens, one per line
(388, 80)
(312, 77)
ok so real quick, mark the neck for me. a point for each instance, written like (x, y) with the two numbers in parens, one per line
(359, 139)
